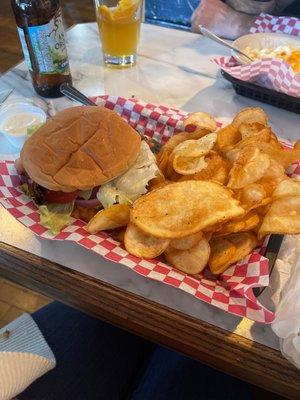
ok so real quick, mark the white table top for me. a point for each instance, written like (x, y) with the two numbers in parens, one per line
(173, 68)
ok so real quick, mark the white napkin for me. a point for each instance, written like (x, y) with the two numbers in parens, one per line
(24, 356)
(287, 322)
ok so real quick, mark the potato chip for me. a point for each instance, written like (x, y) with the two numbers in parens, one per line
(297, 145)
(112, 217)
(253, 129)
(248, 168)
(183, 208)
(250, 115)
(196, 147)
(252, 194)
(142, 245)
(282, 156)
(245, 223)
(191, 261)
(157, 182)
(274, 141)
(162, 157)
(217, 170)
(283, 217)
(119, 234)
(244, 244)
(287, 187)
(253, 141)
(227, 136)
(201, 120)
(186, 242)
(231, 153)
(229, 250)
(272, 177)
(188, 156)
(170, 173)
(189, 165)
(221, 253)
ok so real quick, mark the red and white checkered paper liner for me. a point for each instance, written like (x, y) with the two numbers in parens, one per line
(232, 292)
(270, 23)
(271, 73)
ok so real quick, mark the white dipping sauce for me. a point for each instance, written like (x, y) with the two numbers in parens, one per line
(16, 118)
(19, 123)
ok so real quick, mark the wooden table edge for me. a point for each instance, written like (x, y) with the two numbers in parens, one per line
(223, 350)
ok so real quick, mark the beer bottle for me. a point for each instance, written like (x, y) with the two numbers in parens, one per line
(41, 32)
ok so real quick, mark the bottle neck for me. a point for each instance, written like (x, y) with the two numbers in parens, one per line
(34, 12)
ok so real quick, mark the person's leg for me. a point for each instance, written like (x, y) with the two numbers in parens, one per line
(94, 360)
(170, 375)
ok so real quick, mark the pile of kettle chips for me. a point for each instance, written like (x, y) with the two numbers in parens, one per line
(219, 192)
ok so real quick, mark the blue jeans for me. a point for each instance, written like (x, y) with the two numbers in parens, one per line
(98, 361)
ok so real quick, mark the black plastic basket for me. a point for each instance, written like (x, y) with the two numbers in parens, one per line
(259, 93)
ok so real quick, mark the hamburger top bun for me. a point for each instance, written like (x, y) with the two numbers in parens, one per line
(80, 148)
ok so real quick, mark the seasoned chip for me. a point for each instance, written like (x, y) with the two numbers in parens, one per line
(287, 187)
(230, 249)
(227, 136)
(183, 208)
(201, 120)
(191, 261)
(252, 194)
(254, 129)
(119, 234)
(142, 245)
(196, 148)
(231, 153)
(246, 223)
(222, 252)
(250, 115)
(112, 217)
(275, 142)
(157, 182)
(282, 156)
(162, 157)
(188, 165)
(186, 242)
(188, 157)
(283, 217)
(297, 145)
(248, 168)
(253, 141)
(244, 244)
(217, 170)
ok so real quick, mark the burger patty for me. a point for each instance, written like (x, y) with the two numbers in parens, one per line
(42, 195)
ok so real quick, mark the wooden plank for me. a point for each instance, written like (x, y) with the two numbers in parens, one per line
(225, 351)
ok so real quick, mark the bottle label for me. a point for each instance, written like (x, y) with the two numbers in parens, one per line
(24, 48)
(48, 47)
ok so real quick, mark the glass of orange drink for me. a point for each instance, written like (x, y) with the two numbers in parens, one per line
(119, 23)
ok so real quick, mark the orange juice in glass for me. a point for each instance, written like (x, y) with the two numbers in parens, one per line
(119, 23)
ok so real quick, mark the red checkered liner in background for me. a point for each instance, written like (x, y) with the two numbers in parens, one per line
(273, 74)
(270, 23)
(232, 292)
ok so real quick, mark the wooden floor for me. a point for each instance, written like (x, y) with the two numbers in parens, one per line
(15, 300)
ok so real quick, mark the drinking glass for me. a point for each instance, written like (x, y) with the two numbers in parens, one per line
(119, 23)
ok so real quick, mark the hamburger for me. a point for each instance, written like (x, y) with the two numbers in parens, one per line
(83, 158)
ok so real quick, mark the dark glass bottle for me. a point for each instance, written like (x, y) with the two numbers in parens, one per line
(41, 32)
